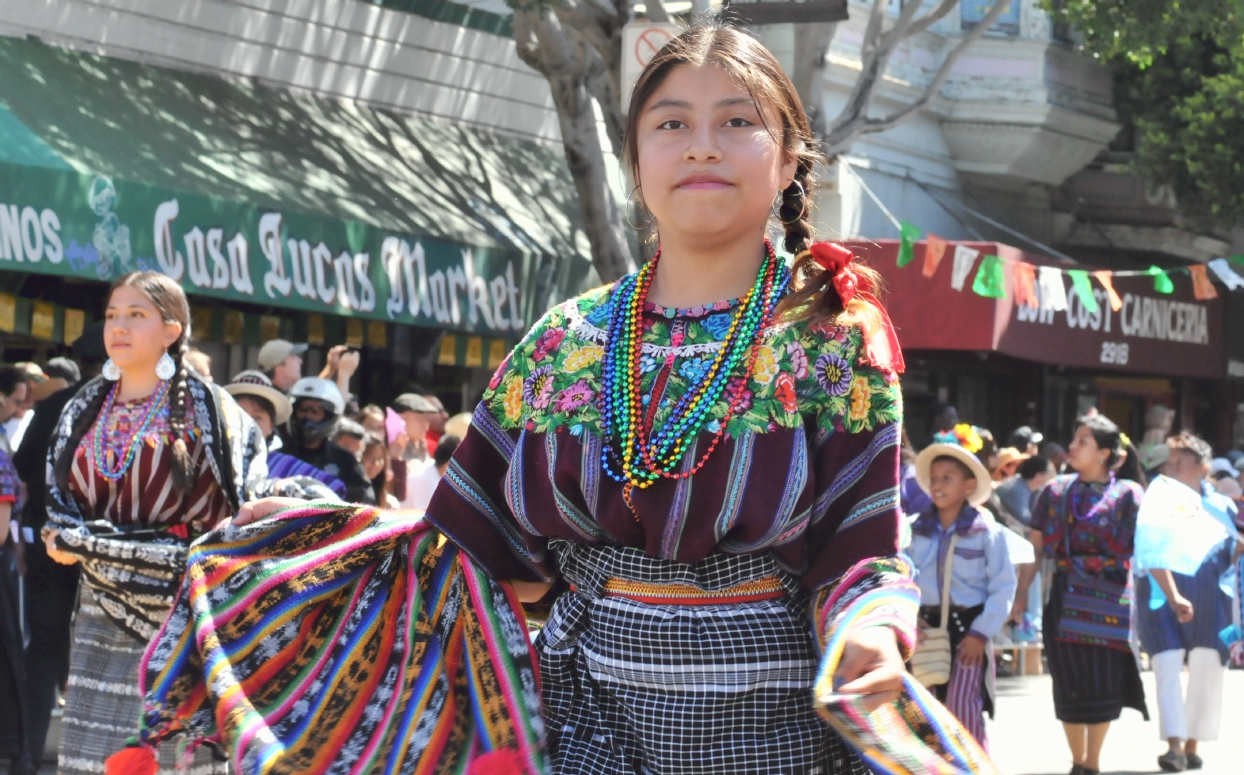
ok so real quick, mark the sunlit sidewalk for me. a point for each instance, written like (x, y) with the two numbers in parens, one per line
(1026, 739)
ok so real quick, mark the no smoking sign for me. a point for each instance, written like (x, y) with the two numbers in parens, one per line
(640, 43)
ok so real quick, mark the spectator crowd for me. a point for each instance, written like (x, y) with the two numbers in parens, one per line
(319, 444)
(1080, 556)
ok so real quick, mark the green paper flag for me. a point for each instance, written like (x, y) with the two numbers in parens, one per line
(1084, 288)
(1161, 281)
(908, 234)
(990, 281)
(1236, 259)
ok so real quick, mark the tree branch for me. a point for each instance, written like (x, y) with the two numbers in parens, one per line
(567, 62)
(857, 103)
(854, 122)
(932, 17)
(978, 30)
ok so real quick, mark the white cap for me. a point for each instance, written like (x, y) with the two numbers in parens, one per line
(1222, 464)
(319, 388)
(275, 351)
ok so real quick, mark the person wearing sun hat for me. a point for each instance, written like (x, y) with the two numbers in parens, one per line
(287, 475)
(982, 578)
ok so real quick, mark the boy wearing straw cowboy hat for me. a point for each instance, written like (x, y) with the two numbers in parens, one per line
(955, 539)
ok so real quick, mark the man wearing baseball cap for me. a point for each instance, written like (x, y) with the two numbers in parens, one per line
(282, 362)
(318, 406)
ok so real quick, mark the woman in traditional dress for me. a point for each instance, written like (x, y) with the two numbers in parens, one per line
(1086, 522)
(690, 462)
(144, 459)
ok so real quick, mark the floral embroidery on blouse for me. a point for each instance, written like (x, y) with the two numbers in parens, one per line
(552, 378)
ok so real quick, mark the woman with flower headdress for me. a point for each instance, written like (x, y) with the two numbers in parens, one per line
(696, 467)
(1086, 522)
(145, 458)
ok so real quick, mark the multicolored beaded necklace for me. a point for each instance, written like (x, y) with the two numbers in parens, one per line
(637, 454)
(154, 402)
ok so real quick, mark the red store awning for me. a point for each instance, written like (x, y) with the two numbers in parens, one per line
(1175, 335)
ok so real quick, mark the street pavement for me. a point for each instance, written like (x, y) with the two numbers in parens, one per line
(1026, 739)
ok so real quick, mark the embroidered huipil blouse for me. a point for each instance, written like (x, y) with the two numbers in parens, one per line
(808, 472)
(1102, 521)
(145, 494)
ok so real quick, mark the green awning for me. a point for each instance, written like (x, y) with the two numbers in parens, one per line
(256, 194)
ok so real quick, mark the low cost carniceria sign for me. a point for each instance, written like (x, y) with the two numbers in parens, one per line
(62, 223)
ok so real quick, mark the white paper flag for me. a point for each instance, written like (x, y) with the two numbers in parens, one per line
(1053, 292)
(965, 259)
(1226, 274)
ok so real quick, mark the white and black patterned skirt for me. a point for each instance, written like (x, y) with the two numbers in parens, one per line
(636, 686)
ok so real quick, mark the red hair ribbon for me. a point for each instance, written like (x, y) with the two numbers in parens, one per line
(881, 348)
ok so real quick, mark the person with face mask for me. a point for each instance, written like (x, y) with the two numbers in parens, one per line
(288, 476)
(318, 405)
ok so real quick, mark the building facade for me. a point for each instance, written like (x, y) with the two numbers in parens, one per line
(382, 175)
(1021, 146)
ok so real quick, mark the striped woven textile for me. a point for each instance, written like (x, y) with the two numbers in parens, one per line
(349, 639)
(915, 735)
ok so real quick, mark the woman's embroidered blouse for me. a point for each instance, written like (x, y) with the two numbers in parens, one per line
(808, 472)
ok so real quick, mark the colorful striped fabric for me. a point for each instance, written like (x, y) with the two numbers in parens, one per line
(915, 735)
(344, 638)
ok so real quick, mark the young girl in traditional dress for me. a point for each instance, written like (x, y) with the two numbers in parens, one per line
(696, 465)
(144, 459)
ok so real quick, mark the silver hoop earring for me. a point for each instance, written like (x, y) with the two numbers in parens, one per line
(803, 197)
(626, 209)
(111, 371)
(165, 367)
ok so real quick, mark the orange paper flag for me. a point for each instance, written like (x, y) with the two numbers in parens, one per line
(1202, 288)
(1106, 278)
(934, 249)
(1025, 282)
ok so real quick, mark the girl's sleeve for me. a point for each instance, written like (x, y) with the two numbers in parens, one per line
(471, 504)
(1001, 586)
(857, 573)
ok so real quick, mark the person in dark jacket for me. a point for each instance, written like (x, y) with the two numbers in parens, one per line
(318, 406)
(51, 589)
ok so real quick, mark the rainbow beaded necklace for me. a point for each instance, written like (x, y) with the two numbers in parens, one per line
(635, 453)
(154, 402)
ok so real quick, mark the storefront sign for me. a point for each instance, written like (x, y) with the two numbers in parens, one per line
(62, 223)
(1152, 333)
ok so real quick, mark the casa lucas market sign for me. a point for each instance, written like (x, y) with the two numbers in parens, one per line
(59, 222)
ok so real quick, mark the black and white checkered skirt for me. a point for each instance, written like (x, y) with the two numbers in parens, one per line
(631, 687)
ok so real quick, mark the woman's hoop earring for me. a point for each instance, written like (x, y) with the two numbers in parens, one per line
(803, 197)
(111, 371)
(626, 209)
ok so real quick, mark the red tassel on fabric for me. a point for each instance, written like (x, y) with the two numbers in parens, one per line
(881, 348)
(131, 761)
(505, 761)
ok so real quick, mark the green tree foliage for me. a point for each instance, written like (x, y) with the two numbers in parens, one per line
(1179, 79)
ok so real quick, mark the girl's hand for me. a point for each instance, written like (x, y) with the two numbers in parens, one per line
(253, 511)
(971, 651)
(64, 558)
(871, 665)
